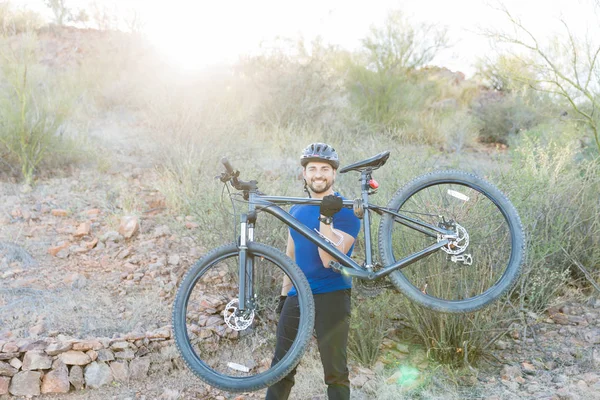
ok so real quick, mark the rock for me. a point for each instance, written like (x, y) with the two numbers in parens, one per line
(120, 370)
(8, 356)
(29, 345)
(37, 329)
(4, 384)
(510, 372)
(10, 347)
(76, 281)
(173, 259)
(359, 381)
(105, 355)
(85, 345)
(59, 212)
(120, 345)
(83, 229)
(57, 380)
(97, 374)
(111, 236)
(511, 385)
(25, 383)
(76, 377)
(592, 337)
(55, 349)
(160, 231)
(577, 320)
(7, 369)
(162, 333)
(15, 363)
(567, 393)
(138, 368)
(596, 357)
(170, 394)
(90, 245)
(93, 354)
(36, 359)
(93, 212)
(501, 345)
(74, 357)
(560, 319)
(53, 251)
(528, 368)
(126, 354)
(560, 378)
(129, 226)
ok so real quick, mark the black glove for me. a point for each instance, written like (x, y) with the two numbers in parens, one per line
(330, 205)
(280, 305)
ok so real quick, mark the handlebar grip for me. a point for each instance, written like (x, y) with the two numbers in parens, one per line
(226, 164)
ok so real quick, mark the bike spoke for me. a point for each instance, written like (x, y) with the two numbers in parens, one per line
(489, 244)
(245, 346)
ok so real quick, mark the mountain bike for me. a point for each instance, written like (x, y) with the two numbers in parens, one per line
(448, 240)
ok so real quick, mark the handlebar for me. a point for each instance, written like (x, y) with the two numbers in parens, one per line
(232, 176)
(227, 165)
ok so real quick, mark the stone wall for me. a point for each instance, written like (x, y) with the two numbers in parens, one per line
(59, 364)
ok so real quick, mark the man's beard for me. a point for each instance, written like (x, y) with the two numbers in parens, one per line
(323, 189)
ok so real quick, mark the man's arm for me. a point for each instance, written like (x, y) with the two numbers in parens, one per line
(290, 251)
(346, 242)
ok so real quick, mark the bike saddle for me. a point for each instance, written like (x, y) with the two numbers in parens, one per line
(370, 163)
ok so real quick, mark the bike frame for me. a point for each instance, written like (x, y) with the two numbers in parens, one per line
(345, 264)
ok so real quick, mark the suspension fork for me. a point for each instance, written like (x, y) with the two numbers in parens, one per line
(246, 260)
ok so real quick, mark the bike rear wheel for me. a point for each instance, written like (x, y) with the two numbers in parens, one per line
(233, 351)
(472, 271)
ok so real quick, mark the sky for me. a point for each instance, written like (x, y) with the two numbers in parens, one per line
(194, 34)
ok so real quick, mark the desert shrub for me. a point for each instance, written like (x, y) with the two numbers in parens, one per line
(13, 22)
(295, 83)
(556, 194)
(458, 131)
(370, 321)
(460, 339)
(34, 104)
(390, 100)
(500, 116)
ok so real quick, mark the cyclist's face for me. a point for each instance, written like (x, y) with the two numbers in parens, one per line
(319, 176)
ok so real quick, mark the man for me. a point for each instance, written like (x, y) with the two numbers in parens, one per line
(331, 290)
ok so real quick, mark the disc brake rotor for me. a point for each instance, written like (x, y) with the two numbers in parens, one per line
(234, 319)
(459, 244)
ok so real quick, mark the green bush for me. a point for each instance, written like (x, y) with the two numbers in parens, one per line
(460, 339)
(371, 319)
(34, 104)
(391, 100)
(556, 193)
(500, 116)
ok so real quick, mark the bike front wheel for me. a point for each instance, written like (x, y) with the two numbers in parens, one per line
(229, 349)
(472, 270)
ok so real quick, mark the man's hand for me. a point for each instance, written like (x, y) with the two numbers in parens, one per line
(330, 205)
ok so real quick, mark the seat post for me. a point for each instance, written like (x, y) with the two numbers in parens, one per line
(365, 176)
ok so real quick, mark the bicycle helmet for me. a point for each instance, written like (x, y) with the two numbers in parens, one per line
(320, 152)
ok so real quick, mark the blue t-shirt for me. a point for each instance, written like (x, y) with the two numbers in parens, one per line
(321, 279)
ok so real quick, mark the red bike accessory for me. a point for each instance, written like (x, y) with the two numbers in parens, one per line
(373, 184)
